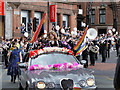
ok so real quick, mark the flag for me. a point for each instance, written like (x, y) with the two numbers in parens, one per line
(42, 30)
(113, 43)
(39, 32)
(82, 48)
(78, 46)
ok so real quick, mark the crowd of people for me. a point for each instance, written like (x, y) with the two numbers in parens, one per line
(15, 49)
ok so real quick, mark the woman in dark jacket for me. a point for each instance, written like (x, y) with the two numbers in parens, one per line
(15, 57)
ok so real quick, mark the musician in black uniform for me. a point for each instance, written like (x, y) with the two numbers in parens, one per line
(108, 48)
(85, 57)
(92, 54)
(103, 50)
(117, 45)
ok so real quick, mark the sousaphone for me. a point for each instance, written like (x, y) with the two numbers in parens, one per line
(92, 33)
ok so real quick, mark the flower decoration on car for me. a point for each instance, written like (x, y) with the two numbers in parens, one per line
(50, 49)
(58, 66)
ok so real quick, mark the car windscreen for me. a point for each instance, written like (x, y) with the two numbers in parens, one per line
(53, 58)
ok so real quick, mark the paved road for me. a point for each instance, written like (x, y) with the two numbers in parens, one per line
(104, 74)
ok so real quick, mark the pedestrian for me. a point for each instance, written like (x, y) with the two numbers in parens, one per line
(15, 57)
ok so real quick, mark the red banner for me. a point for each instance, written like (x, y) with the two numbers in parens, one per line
(1, 7)
(53, 13)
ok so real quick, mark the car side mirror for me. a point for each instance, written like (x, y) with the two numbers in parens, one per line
(83, 62)
(23, 65)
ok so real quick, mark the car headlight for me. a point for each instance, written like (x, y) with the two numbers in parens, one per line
(82, 83)
(51, 85)
(90, 82)
(41, 85)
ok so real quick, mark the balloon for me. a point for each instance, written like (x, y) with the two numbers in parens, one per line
(113, 30)
(45, 31)
(26, 34)
(72, 32)
(57, 27)
(110, 31)
(62, 30)
(75, 29)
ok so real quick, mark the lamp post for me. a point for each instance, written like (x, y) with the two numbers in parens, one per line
(113, 6)
(88, 13)
(48, 15)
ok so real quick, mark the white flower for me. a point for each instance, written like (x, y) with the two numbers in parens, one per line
(46, 67)
(62, 67)
(80, 66)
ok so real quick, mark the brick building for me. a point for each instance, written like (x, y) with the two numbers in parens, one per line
(102, 17)
(25, 12)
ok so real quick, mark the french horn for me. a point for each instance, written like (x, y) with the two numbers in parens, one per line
(94, 48)
(91, 33)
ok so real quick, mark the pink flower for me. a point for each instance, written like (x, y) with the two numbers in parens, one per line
(70, 66)
(75, 64)
(31, 68)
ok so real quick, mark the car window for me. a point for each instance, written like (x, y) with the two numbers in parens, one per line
(53, 58)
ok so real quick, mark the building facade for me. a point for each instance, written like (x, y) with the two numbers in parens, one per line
(101, 16)
(98, 15)
(26, 13)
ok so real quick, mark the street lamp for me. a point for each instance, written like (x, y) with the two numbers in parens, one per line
(88, 13)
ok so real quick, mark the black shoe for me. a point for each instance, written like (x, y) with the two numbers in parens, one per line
(14, 82)
(11, 79)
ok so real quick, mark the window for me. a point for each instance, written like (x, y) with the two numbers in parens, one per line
(93, 16)
(65, 21)
(102, 16)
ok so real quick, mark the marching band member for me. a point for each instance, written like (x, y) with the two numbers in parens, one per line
(92, 54)
(103, 50)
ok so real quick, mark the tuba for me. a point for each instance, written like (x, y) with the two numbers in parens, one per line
(91, 33)
(94, 48)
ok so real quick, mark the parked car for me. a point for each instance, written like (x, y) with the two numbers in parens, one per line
(54, 68)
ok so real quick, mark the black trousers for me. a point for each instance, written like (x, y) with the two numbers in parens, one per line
(117, 50)
(92, 59)
(13, 77)
(108, 53)
(6, 61)
(103, 56)
(86, 65)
